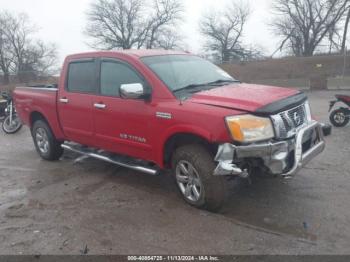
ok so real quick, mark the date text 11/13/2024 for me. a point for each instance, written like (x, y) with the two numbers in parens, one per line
(173, 258)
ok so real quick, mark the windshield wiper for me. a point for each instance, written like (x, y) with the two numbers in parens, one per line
(214, 83)
(190, 87)
(222, 81)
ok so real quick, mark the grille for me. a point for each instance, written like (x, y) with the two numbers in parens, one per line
(297, 117)
(286, 123)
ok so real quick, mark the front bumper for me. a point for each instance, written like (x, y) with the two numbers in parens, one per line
(284, 158)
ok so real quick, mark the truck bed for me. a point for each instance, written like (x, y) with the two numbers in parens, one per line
(33, 101)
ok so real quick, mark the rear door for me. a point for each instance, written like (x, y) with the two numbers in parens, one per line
(75, 101)
(122, 125)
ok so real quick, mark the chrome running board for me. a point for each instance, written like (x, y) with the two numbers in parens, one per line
(114, 159)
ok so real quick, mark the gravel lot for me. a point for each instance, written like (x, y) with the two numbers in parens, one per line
(62, 207)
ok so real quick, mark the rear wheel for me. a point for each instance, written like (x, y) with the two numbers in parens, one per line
(48, 147)
(11, 125)
(339, 118)
(193, 168)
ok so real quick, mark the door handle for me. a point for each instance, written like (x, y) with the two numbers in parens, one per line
(100, 106)
(64, 100)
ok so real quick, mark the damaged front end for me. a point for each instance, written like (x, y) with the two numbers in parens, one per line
(284, 158)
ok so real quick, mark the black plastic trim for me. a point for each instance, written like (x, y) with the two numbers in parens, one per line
(282, 105)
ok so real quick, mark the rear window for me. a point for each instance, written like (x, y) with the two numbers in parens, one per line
(81, 77)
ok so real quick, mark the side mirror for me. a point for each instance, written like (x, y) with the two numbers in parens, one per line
(132, 91)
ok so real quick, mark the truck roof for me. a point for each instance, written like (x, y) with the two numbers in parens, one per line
(133, 52)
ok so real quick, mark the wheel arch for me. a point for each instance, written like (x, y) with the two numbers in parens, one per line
(50, 119)
(35, 116)
(184, 138)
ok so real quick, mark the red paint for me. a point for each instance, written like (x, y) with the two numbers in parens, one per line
(243, 96)
(344, 98)
(202, 115)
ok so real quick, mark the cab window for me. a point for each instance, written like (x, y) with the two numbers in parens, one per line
(115, 74)
(81, 77)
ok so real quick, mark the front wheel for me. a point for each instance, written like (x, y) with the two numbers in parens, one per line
(12, 124)
(193, 168)
(339, 118)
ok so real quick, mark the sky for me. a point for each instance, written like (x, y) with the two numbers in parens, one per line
(63, 22)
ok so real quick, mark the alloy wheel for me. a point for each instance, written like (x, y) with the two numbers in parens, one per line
(188, 181)
(339, 118)
(42, 140)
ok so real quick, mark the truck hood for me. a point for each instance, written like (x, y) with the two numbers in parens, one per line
(244, 97)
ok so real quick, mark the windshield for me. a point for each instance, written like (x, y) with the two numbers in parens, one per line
(180, 72)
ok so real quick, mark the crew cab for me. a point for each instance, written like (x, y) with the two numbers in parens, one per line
(151, 110)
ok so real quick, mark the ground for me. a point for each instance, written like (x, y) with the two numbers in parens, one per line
(68, 208)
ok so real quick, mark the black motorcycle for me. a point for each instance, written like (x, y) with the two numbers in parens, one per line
(10, 121)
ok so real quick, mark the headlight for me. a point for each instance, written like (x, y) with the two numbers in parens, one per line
(249, 128)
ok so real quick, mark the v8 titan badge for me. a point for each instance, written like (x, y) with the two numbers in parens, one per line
(133, 138)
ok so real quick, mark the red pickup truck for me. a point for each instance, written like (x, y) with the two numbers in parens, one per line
(151, 110)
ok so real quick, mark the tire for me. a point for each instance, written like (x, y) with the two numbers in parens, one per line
(201, 189)
(47, 146)
(14, 128)
(338, 118)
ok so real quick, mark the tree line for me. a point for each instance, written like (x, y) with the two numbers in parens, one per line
(21, 55)
(304, 27)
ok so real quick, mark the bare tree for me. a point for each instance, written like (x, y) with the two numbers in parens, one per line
(125, 24)
(167, 13)
(6, 56)
(39, 59)
(20, 53)
(7, 50)
(168, 39)
(18, 34)
(345, 33)
(115, 24)
(334, 38)
(224, 30)
(304, 24)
